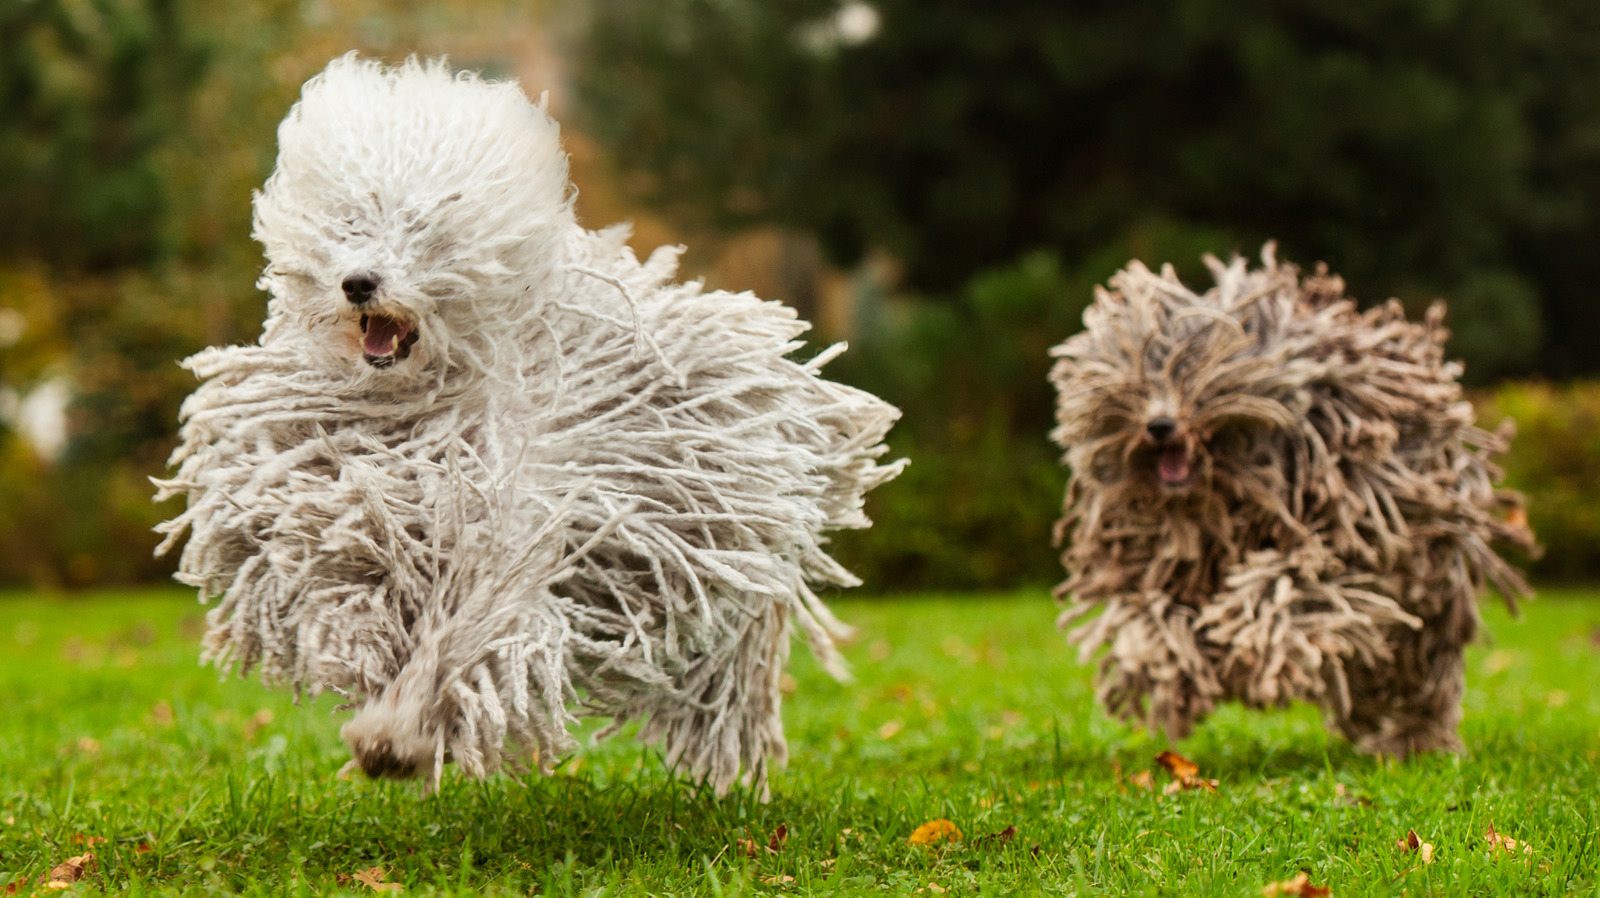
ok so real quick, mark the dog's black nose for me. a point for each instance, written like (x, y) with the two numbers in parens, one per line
(359, 288)
(1161, 428)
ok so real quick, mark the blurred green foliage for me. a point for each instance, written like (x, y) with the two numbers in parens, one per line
(90, 91)
(978, 503)
(1006, 158)
(1555, 459)
(1011, 156)
(96, 94)
(1419, 148)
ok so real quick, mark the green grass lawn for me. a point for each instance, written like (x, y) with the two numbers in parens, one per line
(970, 710)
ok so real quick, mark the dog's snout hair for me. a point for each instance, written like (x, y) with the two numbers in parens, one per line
(360, 288)
(1161, 428)
(379, 762)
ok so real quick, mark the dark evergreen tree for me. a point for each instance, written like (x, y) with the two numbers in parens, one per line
(1421, 149)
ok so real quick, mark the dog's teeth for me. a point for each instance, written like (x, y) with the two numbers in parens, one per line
(394, 344)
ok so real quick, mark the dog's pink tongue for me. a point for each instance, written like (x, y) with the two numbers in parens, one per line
(383, 335)
(1174, 465)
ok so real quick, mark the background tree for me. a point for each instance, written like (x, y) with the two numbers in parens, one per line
(1009, 156)
(1420, 149)
(94, 96)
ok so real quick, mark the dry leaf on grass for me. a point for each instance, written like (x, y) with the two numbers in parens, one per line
(1185, 773)
(1179, 766)
(1143, 780)
(934, 832)
(1299, 887)
(779, 879)
(91, 841)
(999, 838)
(1500, 844)
(372, 878)
(14, 887)
(752, 848)
(935, 888)
(67, 872)
(1413, 842)
(888, 730)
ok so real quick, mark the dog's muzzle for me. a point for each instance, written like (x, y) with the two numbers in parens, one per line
(1172, 455)
(386, 339)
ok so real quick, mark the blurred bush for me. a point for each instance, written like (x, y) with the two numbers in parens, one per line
(1420, 149)
(977, 505)
(1006, 160)
(1555, 460)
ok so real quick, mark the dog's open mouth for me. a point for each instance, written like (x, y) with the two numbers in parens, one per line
(1172, 464)
(385, 339)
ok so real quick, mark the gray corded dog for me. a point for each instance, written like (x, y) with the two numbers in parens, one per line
(1275, 496)
(486, 470)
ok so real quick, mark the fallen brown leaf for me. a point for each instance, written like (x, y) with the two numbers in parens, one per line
(81, 839)
(778, 879)
(1143, 780)
(1299, 887)
(933, 832)
(778, 837)
(69, 871)
(888, 730)
(936, 888)
(14, 886)
(1179, 766)
(372, 878)
(1500, 844)
(747, 847)
(1185, 773)
(1413, 842)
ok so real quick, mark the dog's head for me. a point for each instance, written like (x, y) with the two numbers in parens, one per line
(1168, 393)
(410, 212)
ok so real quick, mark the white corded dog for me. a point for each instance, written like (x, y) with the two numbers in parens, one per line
(486, 470)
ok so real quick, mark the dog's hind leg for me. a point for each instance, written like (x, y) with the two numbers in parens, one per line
(1412, 704)
(720, 722)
